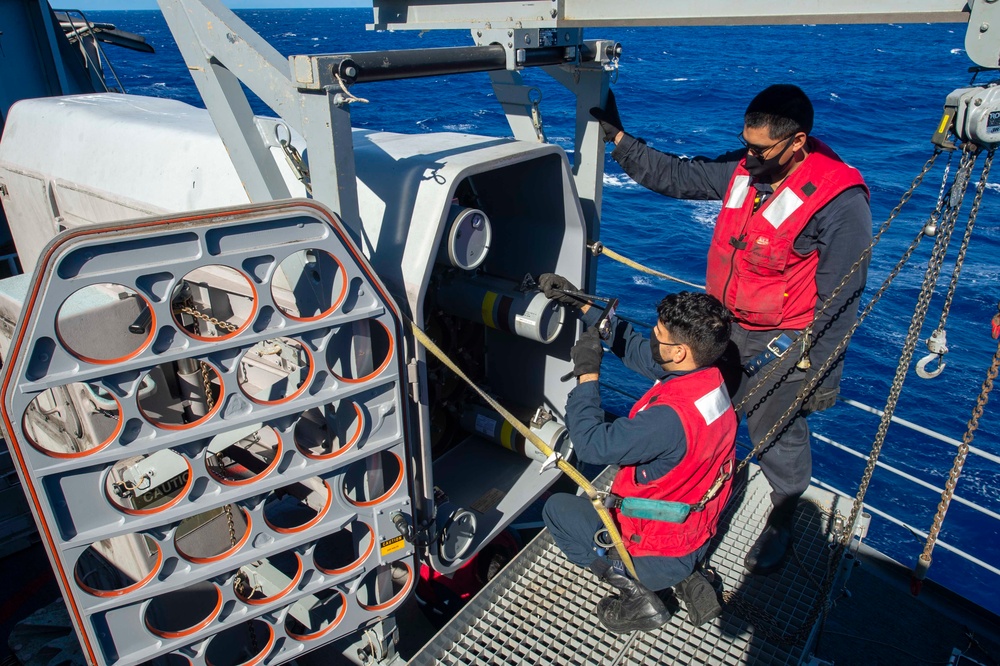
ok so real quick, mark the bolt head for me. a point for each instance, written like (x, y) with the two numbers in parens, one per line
(527, 39)
(984, 26)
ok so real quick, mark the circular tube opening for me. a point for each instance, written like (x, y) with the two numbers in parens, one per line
(72, 421)
(385, 586)
(345, 549)
(326, 432)
(275, 371)
(270, 578)
(105, 323)
(360, 350)
(299, 506)
(244, 644)
(149, 483)
(213, 303)
(119, 565)
(212, 535)
(180, 394)
(315, 615)
(373, 479)
(308, 285)
(183, 612)
(243, 456)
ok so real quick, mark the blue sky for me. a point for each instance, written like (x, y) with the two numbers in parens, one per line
(234, 4)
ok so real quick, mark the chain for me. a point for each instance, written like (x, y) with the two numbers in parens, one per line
(198, 314)
(745, 609)
(960, 259)
(811, 383)
(969, 154)
(854, 269)
(206, 382)
(240, 583)
(956, 469)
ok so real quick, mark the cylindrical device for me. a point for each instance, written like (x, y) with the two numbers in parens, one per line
(498, 304)
(489, 424)
(466, 239)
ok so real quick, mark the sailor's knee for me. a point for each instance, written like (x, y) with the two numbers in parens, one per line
(556, 508)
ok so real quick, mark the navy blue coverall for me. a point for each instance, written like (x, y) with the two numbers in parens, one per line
(653, 441)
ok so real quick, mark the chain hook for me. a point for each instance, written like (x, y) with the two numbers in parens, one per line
(536, 113)
(938, 346)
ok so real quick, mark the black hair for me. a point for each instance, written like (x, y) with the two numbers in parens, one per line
(699, 321)
(782, 108)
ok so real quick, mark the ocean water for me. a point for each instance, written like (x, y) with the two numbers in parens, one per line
(878, 93)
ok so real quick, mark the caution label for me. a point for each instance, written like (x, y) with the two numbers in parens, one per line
(391, 545)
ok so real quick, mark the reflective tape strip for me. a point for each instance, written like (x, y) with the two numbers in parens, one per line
(714, 404)
(781, 208)
(738, 192)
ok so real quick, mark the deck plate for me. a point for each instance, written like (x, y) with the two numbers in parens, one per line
(539, 610)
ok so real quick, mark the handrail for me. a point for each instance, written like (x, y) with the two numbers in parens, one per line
(87, 30)
(926, 431)
(909, 477)
(920, 533)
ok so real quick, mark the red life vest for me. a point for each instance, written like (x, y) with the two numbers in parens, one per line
(706, 413)
(753, 267)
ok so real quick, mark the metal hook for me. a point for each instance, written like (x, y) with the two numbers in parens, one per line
(938, 346)
(922, 364)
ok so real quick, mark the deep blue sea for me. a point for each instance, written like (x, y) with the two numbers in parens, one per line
(878, 93)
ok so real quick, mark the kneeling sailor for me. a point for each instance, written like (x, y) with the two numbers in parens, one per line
(678, 445)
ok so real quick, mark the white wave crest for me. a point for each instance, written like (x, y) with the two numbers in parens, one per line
(459, 127)
(619, 180)
(642, 280)
(957, 51)
(705, 212)
(993, 186)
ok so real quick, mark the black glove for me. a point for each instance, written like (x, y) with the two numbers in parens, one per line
(587, 354)
(822, 397)
(553, 286)
(610, 121)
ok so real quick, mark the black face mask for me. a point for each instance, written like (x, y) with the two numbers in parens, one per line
(654, 349)
(765, 170)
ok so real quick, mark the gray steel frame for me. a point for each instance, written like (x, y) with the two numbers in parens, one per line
(214, 41)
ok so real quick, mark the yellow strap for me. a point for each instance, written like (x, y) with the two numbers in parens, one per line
(595, 496)
(611, 254)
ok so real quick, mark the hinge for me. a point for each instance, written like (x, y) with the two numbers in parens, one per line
(413, 379)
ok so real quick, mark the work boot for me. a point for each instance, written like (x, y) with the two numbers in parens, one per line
(699, 598)
(634, 608)
(771, 548)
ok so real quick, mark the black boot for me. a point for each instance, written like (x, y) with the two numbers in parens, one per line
(634, 608)
(699, 597)
(771, 548)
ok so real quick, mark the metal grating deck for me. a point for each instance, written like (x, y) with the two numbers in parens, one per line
(539, 610)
